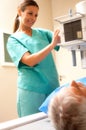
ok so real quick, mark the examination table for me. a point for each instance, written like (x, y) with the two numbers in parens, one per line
(38, 121)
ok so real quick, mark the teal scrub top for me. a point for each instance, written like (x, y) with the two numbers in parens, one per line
(43, 77)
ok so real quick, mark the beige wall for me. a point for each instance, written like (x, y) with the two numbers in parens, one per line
(7, 93)
(8, 75)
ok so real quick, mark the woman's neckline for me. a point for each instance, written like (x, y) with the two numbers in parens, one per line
(29, 33)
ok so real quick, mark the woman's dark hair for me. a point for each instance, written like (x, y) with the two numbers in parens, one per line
(22, 6)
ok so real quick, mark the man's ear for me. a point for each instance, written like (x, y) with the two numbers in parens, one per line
(77, 84)
(74, 84)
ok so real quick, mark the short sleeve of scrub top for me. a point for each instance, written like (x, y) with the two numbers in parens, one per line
(16, 50)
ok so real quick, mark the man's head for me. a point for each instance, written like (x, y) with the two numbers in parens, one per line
(67, 109)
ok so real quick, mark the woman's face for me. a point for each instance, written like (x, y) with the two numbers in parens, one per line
(29, 16)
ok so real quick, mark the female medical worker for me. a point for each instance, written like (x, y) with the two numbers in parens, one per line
(30, 49)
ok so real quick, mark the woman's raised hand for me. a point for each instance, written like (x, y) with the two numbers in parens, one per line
(56, 38)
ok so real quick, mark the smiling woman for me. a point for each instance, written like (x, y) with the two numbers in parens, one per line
(8, 73)
(31, 51)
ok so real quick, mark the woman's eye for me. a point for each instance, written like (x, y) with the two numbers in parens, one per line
(32, 14)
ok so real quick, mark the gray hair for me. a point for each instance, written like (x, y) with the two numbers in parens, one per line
(68, 112)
